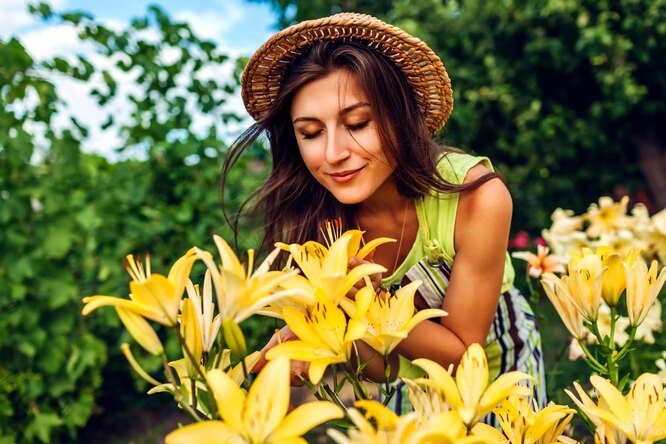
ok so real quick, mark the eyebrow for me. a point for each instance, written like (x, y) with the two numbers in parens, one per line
(344, 111)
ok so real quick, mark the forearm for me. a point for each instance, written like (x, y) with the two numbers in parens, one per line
(434, 341)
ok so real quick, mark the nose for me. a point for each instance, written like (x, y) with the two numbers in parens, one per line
(337, 145)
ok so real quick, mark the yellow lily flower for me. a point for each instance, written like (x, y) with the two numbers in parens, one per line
(326, 268)
(426, 401)
(640, 416)
(652, 323)
(655, 234)
(240, 292)
(470, 393)
(151, 295)
(585, 279)
(260, 416)
(333, 232)
(236, 372)
(191, 333)
(540, 263)
(488, 434)
(607, 216)
(383, 433)
(607, 434)
(204, 307)
(326, 336)
(140, 330)
(523, 425)
(558, 292)
(445, 428)
(390, 319)
(614, 280)
(643, 287)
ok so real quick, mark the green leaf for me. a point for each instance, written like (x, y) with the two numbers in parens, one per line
(80, 410)
(58, 291)
(58, 242)
(27, 349)
(40, 427)
(6, 409)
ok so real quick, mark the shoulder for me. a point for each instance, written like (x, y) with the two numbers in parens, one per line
(491, 198)
(484, 213)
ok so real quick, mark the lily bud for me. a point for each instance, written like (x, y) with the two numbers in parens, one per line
(140, 330)
(234, 338)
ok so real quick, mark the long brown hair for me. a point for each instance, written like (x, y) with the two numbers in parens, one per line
(291, 202)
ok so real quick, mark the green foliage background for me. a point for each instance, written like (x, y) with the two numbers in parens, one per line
(68, 218)
(566, 97)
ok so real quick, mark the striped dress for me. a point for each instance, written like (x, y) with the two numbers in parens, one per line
(513, 341)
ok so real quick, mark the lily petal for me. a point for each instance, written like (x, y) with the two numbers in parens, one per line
(304, 418)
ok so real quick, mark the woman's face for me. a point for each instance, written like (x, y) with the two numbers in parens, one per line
(338, 138)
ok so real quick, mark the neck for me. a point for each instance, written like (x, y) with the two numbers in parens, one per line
(391, 216)
(386, 202)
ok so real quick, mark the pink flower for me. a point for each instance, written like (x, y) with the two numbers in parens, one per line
(522, 240)
(540, 263)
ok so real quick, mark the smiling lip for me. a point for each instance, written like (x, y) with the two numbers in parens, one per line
(345, 176)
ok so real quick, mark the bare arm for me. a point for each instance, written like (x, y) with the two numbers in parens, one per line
(481, 235)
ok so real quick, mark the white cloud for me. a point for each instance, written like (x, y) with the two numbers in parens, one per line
(210, 24)
(220, 20)
(14, 16)
(216, 24)
(58, 40)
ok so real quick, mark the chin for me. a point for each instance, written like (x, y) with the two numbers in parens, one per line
(349, 198)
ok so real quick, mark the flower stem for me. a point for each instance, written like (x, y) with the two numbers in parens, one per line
(193, 389)
(387, 375)
(611, 361)
(176, 392)
(591, 360)
(534, 295)
(197, 366)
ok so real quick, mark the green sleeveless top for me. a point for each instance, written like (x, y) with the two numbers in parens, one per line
(437, 219)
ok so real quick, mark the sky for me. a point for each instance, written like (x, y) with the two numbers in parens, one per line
(237, 26)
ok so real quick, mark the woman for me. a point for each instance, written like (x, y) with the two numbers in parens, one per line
(350, 105)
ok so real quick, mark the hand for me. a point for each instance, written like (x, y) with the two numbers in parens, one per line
(299, 369)
(375, 279)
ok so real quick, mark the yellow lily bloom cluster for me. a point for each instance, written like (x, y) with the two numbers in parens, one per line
(328, 328)
(521, 424)
(258, 416)
(470, 393)
(152, 296)
(241, 292)
(608, 223)
(599, 276)
(445, 428)
(640, 416)
(449, 409)
(212, 380)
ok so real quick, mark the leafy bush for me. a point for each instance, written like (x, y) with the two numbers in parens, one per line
(68, 218)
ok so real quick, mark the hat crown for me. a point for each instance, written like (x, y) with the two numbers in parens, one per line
(422, 68)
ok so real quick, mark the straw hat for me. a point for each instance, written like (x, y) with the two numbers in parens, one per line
(422, 68)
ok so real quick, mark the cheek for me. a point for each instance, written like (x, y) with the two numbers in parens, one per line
(310, 155)
(310, 158)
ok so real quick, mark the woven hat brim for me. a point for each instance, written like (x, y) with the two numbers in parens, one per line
(422, 68)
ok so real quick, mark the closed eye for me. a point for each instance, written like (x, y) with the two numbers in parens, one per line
(358, 126)
(311, 135)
